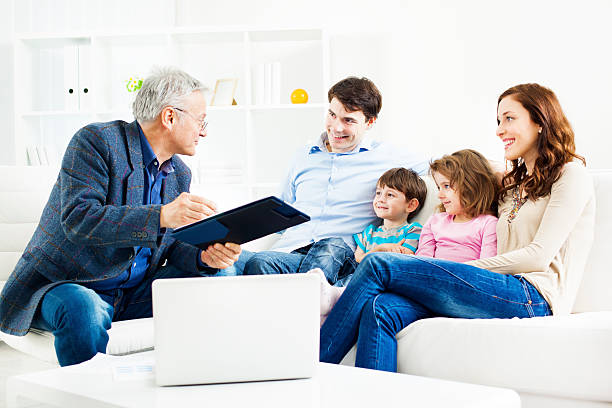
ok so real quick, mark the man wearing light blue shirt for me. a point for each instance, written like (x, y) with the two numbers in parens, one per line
(334, 179)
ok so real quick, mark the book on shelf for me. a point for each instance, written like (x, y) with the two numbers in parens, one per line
(43, 158)
(258, 84)
(71, 78)
(37, 156)
(32, 156)
(86, 102)
(267, 83)
(275, 85)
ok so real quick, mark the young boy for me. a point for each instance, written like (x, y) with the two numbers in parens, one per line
(399, 196)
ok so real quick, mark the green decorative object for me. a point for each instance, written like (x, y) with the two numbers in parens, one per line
(133, 84)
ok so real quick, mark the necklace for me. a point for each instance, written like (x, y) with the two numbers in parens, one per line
(517, 203)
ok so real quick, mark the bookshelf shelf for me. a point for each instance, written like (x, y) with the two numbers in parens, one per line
(68, 74)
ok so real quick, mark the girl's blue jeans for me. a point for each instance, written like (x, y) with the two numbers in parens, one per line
(389, 291)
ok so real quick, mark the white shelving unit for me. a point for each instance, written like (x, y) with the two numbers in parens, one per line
(68, 74)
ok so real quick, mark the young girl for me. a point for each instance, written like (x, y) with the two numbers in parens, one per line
(465, 229)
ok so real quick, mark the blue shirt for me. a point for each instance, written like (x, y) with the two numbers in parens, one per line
(337, 189)
(373, 236)
(154, 176)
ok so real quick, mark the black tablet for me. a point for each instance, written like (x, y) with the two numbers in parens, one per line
(242, 224)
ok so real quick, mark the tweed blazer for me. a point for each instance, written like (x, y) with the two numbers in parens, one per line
(93, 220)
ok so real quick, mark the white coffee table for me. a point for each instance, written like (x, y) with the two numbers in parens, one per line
(99, 384)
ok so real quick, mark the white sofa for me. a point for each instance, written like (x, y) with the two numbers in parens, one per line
(558, 362)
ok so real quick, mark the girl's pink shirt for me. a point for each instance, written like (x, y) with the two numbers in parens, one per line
(460, 242)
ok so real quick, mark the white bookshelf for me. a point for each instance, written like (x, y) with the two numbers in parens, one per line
(69, 73)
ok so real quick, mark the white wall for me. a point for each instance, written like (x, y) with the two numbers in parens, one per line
(455, 58)
(441, 64)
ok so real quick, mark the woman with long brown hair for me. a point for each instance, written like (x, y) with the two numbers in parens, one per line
(546, 214)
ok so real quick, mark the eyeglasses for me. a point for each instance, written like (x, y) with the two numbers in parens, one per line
(202, 123)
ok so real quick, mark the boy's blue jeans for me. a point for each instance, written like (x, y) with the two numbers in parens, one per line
(332, 255)
(79, 317)
(389, 291)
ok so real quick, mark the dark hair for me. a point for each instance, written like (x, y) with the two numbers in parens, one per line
(555, 143)
(357, 94)
(408, 182)
(470, 174)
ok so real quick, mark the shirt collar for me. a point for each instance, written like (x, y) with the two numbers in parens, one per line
(148, 155)
(319, 145)
(385, 229)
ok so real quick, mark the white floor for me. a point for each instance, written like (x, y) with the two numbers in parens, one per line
(13, 362)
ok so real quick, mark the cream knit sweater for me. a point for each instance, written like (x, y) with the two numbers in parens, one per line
(549, 240)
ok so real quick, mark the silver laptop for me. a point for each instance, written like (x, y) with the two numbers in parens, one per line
(234, 329)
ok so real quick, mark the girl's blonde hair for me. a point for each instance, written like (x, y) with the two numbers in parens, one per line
(471, 176)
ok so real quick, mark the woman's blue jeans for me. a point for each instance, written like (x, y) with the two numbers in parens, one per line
(79, 317)
(389, 291)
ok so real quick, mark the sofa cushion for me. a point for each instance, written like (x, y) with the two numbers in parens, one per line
(25, 191)
(37, 343)
(23, 207)
(130, 336)
(13, 240)
(28, 178)
(431, 201)
(15, 237)
(8, 260)
(595, 291)
(567, 356)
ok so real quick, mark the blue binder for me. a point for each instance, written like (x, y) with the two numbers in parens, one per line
(242, 224)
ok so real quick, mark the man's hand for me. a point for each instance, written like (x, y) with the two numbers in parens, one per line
(185, 209)
(397, 248)
(221, 256)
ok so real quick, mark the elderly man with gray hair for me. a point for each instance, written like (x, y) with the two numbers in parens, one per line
(101, 239)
